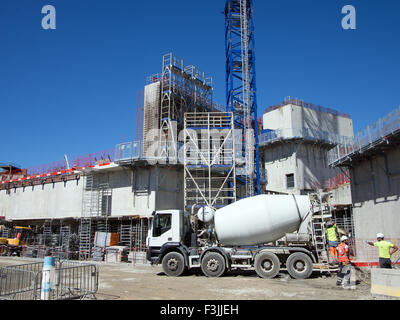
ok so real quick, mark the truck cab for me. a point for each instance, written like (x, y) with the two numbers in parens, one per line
(169, 228)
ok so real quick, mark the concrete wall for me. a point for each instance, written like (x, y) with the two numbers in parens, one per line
(341, 195)
(58, 200)
(136, 192)
(280, 160)
(170, 191)
(278, 119)
(375, 186)
(306, 161)
(385, 282)
(296, 117)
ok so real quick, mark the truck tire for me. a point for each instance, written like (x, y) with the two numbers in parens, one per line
(299, 265)
(267, 265)
(173, 264)
(3, 250)
(213, 265)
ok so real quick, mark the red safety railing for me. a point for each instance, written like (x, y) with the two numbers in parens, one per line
(337, 181)
(91, 159)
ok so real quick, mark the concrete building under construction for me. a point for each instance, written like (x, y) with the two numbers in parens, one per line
(372, 160)
(294, 144)
(115, 191)
(72, 202)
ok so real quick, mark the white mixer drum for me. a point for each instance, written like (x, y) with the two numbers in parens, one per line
(261, 219)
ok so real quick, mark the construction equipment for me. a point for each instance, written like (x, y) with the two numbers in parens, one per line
(265, 232)
(20, 237)
(241, 89)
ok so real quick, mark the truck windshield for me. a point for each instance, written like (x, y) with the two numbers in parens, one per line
(162, 224)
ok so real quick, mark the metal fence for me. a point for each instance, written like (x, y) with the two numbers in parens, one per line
(72, 280)
(128, 151)
(371, 134)
(105, 156)
(301, 133)
(307, 105)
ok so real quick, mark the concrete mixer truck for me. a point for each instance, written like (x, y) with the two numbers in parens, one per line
(242, 235)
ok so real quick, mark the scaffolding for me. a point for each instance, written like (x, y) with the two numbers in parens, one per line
(209, 160)
(151, 123)
(184, 88)
(96, 208)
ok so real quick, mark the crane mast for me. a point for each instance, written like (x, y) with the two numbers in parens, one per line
(241, 88)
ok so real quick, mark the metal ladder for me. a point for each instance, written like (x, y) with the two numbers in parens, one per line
(85, 226)
(47, 232)
(321, 215)
(5, 233)
(85, 238)
(249, 147)
(64, 241)
(126, 235)
(96, 207)
(91, 200)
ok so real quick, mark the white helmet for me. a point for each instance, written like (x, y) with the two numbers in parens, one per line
(380, 235)
(344, 238)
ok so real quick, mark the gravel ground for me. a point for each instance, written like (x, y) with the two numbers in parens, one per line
(143, 282)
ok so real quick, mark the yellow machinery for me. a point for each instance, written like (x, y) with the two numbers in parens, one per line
(21, 236)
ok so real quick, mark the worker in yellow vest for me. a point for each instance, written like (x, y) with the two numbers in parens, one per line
(384, 247)
(332, 233)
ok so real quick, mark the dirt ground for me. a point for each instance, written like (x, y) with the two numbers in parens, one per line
(124, 281)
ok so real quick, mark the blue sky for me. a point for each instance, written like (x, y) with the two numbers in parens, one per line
(73, 90)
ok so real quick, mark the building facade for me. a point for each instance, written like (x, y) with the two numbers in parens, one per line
(373, 160)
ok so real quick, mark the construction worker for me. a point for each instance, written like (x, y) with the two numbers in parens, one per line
(345, 267)
(384, 247)
(332, 232)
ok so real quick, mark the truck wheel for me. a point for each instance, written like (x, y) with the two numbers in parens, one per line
(213, 265)
(173, 264)
(3, 250)
(267, 265)
(299, 265)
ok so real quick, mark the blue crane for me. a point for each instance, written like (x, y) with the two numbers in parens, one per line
(241, 87)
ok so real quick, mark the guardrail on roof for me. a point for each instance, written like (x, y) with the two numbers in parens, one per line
(302, 133)
(307, 105)
(372, 134)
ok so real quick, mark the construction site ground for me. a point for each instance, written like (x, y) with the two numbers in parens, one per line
(125, 281)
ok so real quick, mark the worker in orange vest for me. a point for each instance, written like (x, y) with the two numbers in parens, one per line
(345, 267)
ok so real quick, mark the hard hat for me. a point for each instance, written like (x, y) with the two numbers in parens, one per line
(380, 235)
(344, 238)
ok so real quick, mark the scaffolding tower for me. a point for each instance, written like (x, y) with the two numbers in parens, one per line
(209, 160)
(184, 88)
(96, 208)
(241, 88)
